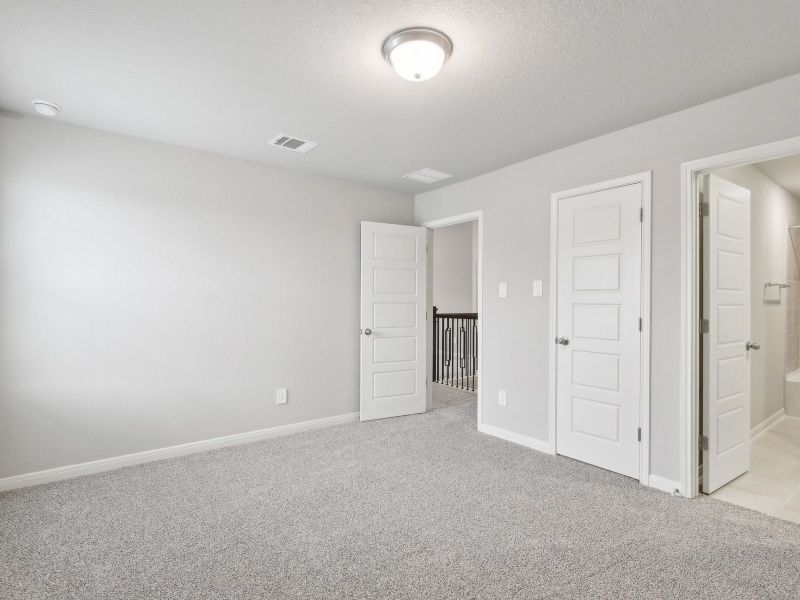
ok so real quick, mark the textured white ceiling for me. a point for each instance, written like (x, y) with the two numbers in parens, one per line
(785, 172)
(525, 77)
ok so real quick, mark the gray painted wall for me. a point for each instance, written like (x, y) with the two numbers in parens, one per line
(453, 268)
(516, 205)
(772, 208)
(152, 296)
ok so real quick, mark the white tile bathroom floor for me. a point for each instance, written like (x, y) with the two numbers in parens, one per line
(772, 485)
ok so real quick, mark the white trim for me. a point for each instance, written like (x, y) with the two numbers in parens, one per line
(645, 179)
(690, 310)
(516, 438)
(476, 215)
(646, 283)
(771, 420)
(665, 485)
(553, 328)
(137, 458)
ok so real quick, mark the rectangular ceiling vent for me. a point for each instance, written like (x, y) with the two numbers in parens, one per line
(428, 176)
(293, 144)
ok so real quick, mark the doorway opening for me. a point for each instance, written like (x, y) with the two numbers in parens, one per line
(748, 359)
(454, 271)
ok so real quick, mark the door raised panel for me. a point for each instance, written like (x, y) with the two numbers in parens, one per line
(389, 315)
(595, 321)
(596, 370)
(730, 270)
(594, 225)
(730, 323)
(394, 247)
(597, 419)
(729, 427)
(731, 218)
(596, 273)
(394, 383)
(394, 281)
(730, 377)
(398, 349)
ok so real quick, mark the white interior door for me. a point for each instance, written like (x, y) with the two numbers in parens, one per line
(726, 306)
(598, 357)
(393, 328)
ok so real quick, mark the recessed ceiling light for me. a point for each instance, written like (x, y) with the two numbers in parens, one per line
(43, 107)
(417, 53)
(428, 176)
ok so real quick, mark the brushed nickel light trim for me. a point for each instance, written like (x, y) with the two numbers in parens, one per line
(417, 34)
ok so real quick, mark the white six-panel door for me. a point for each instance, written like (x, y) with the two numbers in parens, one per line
(726, 306)
(599, 307)
(393, 328)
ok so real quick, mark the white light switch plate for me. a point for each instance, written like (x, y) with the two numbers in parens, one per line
(282, 396)
(501, 397)
(537, 288)
(502, 290)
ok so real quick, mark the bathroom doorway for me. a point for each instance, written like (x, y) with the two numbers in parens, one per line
(749, 382)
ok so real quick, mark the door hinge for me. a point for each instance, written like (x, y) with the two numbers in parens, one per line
(639, 434)
(704, 209)
(641, 215)
(705, 326)
(640, 323)
(703, 442)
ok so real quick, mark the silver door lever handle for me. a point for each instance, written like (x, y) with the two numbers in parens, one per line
(752, 346)
(367, 331)
(562, 340)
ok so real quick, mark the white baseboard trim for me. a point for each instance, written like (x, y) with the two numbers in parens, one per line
(517, 438)
(767, 423)
(664, 484)
(126, 460)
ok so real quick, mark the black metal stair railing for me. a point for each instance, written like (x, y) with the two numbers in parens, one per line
(455, 349)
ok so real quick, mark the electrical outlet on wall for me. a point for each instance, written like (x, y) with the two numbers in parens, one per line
(282, 396)
(501, 397)
(502, 290)
(537, 288)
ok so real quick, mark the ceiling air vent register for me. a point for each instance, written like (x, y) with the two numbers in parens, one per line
(428, 176)
(294, 144)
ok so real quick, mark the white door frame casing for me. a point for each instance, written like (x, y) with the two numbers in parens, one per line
(690, 292)
(645, 179)
(456, 220)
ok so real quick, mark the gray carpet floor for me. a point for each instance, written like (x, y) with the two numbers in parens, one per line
(414, 507)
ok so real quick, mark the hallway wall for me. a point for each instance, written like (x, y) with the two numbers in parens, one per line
(454, 276)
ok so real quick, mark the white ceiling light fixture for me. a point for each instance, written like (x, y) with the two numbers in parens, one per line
(417, 53)
(43, 107)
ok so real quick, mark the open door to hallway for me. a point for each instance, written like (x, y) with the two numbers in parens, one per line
(393, 320)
